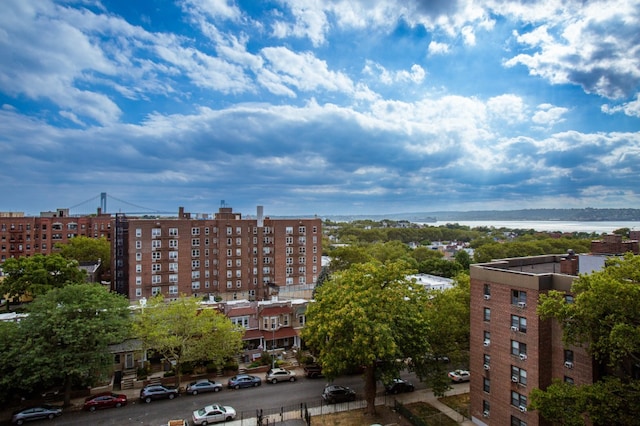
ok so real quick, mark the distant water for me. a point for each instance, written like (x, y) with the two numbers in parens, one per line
(547, 225)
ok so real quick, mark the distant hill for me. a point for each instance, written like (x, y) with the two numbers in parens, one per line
(580, 215)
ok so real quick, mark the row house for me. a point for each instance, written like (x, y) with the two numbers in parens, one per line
(270, 326)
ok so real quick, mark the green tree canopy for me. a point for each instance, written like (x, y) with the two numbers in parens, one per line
(85, 249)
(367, 316)
(65, 337)
(35, 275)
(182, 331)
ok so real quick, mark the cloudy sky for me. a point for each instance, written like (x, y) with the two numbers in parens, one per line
(319, 106)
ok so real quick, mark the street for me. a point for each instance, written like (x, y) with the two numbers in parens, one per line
(245, 402)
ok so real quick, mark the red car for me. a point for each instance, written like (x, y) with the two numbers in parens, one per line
(104, 400)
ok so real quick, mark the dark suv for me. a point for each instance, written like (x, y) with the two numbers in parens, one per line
(151, 392)
(337, 393)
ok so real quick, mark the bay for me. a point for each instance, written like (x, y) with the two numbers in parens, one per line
(547, 225)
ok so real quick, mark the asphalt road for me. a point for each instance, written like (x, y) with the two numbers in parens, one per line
(245, 402)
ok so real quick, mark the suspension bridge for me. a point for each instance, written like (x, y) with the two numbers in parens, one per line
(116, 205)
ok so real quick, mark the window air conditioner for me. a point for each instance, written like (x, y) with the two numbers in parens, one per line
(568, 364)
(487, 296)
(485, 413)
(514, 379)
(523, 356)
(523, 409)
(487, 342)
(486, 367)
(514, 328)
(522, 305)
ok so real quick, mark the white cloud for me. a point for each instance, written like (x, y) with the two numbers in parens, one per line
(415, 75)
(509, 108)
(631, 108)
(549, 115)
(436, 48)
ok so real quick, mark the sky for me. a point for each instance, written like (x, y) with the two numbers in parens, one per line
(319, 107)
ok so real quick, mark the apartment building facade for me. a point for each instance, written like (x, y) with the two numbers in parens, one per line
(22, 235)
(226, 257)
(512, 350)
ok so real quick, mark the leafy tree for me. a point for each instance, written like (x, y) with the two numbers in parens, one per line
(440, 267)
(367, 316)
(36, 275)
(183, 332)
(389, 251)
(66, 334)
(343, 257)
(423, 253)
(463, 258)
(85, 249)
(603, 318)
(447, 313)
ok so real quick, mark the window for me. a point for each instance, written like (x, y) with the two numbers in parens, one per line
(195, 285)
(138, 245)
(487, 361)
(568, 298)
(173, 267)
(289, 250)
(195, 231)
(241, 321)
(487, 314)
(486, 385)
(156, 267)
(229, 230)
(518, 348)
(519, 298)
(156, 255)
(517, 422)
(195, 253)
(289, 230)
(518, 323)
(238, 241)
(518, 375)
(156, 279)
(138, 232)
(138, 257)
(302, 250)
(155, 244)
(138, 268)
(195, 242)
(289, 240)
(173, 278)
(138, 292)
(195, 264)
(173, 289)
(173, 255)
(156, 232)
(302, 280)
(138, 280)
(486, 408)
(156, 290)
(302, 240)
(486, 291)
(487, 338)
(173, 232)
(568, 355)
(173, 243)
(568, 380)
(518, 399)
(195, 275)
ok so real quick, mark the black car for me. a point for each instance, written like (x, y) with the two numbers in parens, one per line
(151, 392)
(398, 386)
(36, 413)
(337, 393)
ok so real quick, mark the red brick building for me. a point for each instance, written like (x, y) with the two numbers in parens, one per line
(226, 257)
(22, 235)
(512, 350)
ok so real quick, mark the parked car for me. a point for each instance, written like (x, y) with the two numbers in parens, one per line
(243, 381)
(459, 376)
(213, 414)
(201, 386)
(313, 371)
(337, 393)
(276, 375)
(151, 392)
(399, 386)
(104, 400)
(38, 412)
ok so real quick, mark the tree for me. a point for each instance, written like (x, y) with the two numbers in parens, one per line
(66, 334)
(463, 258)
(182, 331)
(603, 317)
(343, 257)
(35, 275)
(85, 249)
(368, 316)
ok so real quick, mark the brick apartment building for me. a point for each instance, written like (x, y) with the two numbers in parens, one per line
(512, 350)
(22, 235)
(226, 257)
